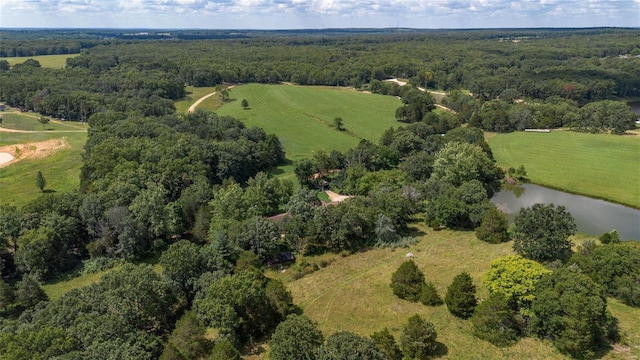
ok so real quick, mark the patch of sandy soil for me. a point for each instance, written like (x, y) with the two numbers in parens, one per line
(34, 150)
(334, 197)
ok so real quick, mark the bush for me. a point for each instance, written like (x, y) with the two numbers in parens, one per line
(494, 226)
(418, 338)
(495, 322)
(429, 295)
(407, 281)
(224, 350)
(461, 296)
(298, 337)
(387, 344)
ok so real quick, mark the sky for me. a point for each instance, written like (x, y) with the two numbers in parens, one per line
(317, 14)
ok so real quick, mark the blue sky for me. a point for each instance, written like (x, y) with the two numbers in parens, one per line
(302, 14)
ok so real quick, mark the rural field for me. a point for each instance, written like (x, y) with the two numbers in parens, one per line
(55, 150)
(302, 116)
(597, 165)
(46, 61)
(353, 294)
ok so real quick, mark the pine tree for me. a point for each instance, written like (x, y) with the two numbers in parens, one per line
(461, 296)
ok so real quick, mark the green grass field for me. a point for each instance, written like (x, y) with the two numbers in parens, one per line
(46, 61)
(353, 294)
(193, 94)
(61, 169)
(302, 116)
(597, 165)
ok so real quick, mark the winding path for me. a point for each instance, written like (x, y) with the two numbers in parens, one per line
(193, 107)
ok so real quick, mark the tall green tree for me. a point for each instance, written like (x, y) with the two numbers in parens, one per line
(41, 182)
(461, 296)
(571, 310)
(541, 232)
(407, 281)
(418, 339)
(297, 337)
(494, 321)
(387, 344)
(494, 226)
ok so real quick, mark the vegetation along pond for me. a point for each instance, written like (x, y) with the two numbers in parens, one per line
(593, 216)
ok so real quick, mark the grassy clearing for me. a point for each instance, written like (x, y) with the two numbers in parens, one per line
(46, 61)
(29, 122)
(353, 294)
(193, 94)
(56, 288)
(302, 116)
(597, 165)
(61, 169)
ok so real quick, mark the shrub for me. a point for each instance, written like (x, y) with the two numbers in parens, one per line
(429, 295)
(494, 226)
(224, 350)
(297, 337)
(494, 321)
(407, 281)
(387, 344)
(461, 296)
(418, 338)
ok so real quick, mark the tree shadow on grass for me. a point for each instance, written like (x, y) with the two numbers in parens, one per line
(48, 191)
(441, 350)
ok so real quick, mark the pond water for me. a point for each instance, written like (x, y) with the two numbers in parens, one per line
(635, 107)
(592, 216)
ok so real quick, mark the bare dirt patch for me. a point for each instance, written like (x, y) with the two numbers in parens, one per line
(334, 197)
(34, 150)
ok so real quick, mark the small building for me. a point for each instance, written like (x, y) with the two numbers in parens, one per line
(282, 258)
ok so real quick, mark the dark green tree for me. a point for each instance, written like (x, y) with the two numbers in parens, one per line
(41, 182)
(429, 295)
(541, 232)
(224, 350)
(494, 321)
(297, 337)
(407, 281)
(345, 345)
(7, 295)
(338, 124)
(494, 227)
(571, 310)
(244, 104)
(183, 263)
(418, 339)
(387, 344)
(187, 340)
(29, 292)
(43, 120)
(461, 296)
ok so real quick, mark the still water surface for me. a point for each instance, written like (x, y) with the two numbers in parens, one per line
(593, 217)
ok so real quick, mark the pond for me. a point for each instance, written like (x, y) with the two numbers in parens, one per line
(635, 107)
(593, 217)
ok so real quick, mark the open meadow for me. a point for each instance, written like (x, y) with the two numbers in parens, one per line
(597, 165)
(46, 61)
(353, 293)
(55, 150)
(302, 116)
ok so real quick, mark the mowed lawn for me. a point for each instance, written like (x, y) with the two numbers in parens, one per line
(353, 294)
(597, 165)
(61, 169)
(46, 61)
(302, 116)
(193, 94)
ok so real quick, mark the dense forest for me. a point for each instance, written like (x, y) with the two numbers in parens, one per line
(194, 191)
